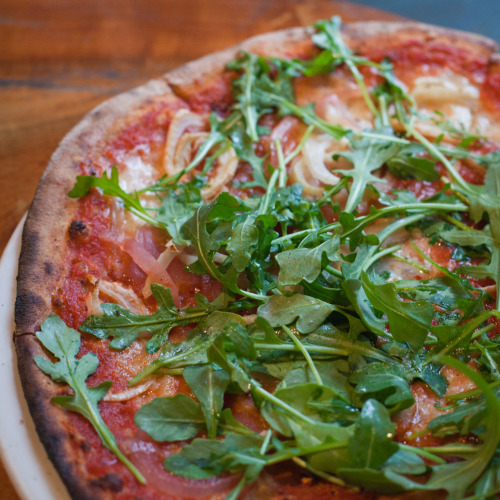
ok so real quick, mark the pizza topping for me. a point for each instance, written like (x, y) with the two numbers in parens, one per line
(171, 484)
(64, 344)
(126, 297)
(155, 271)
(338, 279)
(129, 393)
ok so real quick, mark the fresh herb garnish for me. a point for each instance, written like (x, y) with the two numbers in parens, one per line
(64, 344)
(341, 332)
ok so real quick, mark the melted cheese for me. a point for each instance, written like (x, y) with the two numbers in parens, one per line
(446, 87)
(137, 174)
(448, 93)
(121, 295)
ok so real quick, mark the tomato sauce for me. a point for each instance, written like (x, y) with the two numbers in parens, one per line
(414, 53)
(211, 94)
(490, 90)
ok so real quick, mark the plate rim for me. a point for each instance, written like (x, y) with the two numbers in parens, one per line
(21, 451)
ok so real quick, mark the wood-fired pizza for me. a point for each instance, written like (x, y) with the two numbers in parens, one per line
(272, 273)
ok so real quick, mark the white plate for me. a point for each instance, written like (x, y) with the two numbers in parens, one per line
(22, 453)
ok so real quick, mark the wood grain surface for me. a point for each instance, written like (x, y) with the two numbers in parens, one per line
(60, 58)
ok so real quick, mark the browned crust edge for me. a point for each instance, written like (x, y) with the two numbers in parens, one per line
(42, 265)
(408, 29)
(42, 260)
(51, 422)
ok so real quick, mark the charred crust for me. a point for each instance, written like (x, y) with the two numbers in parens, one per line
(77, 228)
(112, 482)
(38, 391)
(27, 305)
(49, 268)
(51, 424)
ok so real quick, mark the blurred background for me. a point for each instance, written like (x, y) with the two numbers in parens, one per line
(478, 16)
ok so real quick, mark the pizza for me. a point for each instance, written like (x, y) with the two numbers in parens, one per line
(272, 273)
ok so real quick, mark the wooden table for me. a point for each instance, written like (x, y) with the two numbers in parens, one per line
(60, 58)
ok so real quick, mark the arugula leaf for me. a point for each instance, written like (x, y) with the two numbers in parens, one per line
(282, 310)
(193, 349)
(207, 243)
(64, 344)
(228, 424)
(248, 64)
(408, 321)
(487, 484)
(443, 291)
(452, 338)
(367, 155)
(371, 444)
(237, 370)
(486, 198)
(208, 385)
(178, 206)
(124, 326)
(407, 165)
(328, 37)
(464, 419)
(243, 240)
(109, 185)
(308, 399)
(327, 335)
(357, 295)
(331, 377)
(305, 263)
(171, 419)
(386, 383)
(205, 458)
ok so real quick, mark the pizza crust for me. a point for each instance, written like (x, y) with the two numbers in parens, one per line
(397, 32)
(52, 424)
(42, 266)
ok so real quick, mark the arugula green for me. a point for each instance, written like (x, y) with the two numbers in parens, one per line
(324, 314)
(367, 155)
(123, 326)
(456, 477)
(110, 186)
(64, 343)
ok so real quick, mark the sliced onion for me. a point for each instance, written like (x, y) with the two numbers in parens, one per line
(181, 145)
(164, 259)
(318, 149)
(150, 463)
(123, 296)
(130, 393)
(151, 267)
(298, 176)
(289, 131)
(186, 147)
(181, 121)
(92, 301)
(188, 258)
(118, 293)
(249, 318)
(348, 110)
(224, 171)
